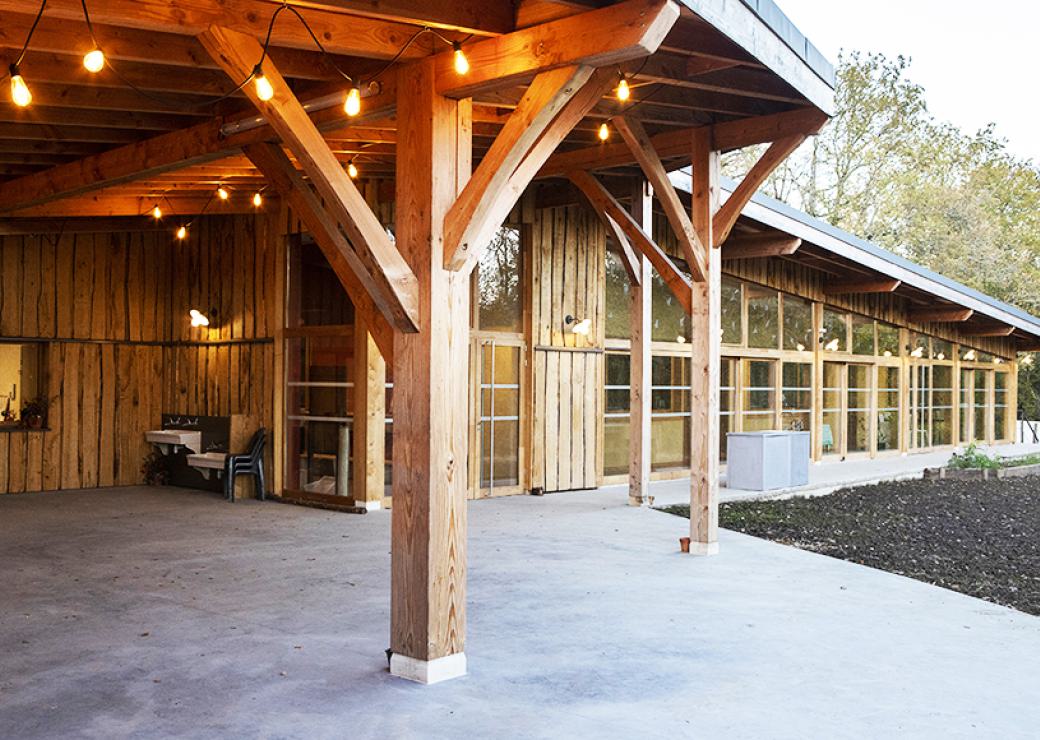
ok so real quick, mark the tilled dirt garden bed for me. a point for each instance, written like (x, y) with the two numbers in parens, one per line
(981, 538)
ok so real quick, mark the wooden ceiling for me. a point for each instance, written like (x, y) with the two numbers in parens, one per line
(159, 79)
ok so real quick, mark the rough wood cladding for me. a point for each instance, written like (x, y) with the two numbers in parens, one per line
(115, 307)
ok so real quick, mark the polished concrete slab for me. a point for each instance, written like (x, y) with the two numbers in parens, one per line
(170, 613)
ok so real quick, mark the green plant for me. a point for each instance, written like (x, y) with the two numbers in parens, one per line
(155, 469)
(973, 458)
(34, 413)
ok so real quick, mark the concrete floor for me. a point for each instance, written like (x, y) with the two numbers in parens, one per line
(164, 612)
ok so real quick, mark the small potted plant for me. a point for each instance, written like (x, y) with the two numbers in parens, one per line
(34, 413)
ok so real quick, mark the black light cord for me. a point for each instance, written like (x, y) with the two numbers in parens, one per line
(13, 69)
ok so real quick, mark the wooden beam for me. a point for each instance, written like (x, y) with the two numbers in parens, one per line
(727, 215)
(237, 53)
(113, 203)
(640, 359)
(597, 38)
(858, 286)
(431, 391)
(468, 16)
(629, 259)
(642, 149)
(479, 208)
(368, 480)
(603, 202)
(705, 357)
(759, 245)
(370, 302)
(992, 331)
(951, 315)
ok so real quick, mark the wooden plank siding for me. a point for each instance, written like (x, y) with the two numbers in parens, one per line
(113, 311)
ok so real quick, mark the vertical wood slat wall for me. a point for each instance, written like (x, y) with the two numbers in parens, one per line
(121, 352)
(568, 270)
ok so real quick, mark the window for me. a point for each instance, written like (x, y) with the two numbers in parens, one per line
(942, 404)
(888, 408)
(316, 296)
(887, 340)
(727, 393)
(732, 312)
(835, 331)
(498, 283)
(759, 395)
(670, 413)
(858, 426)
(670, 321)
(1000, 401)
(832, 429)
(965, 405)
(796, 396)
(862, 335)
(763, 317)
(22, 388)
(980, 405)
(616, 423)
(499, 421)
(942, 350)
(618, 299)
(918, 345)
(798, 325)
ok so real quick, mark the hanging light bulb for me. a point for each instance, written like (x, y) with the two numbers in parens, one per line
(198, 318)
(222, 193)
(352, 170)
(257, 200)
(157, 213)
(461, 63)
(94, 60)
(623, 90)
(264, 91)
(352, 106)
(182, 233)
(20, 94)
(604, 132)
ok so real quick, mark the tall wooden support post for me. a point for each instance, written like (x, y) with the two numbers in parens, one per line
(428, 533)
(706, 354)
(369, 440)
(639, 365)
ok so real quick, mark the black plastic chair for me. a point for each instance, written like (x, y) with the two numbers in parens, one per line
(248, 463)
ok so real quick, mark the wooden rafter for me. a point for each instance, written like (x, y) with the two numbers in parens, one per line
(955, 314)
(993, 331)
(365, 293)
(643, 150)
(860, 286)
(727, 215)
(236, 53)
(604, 203)
(759, 245)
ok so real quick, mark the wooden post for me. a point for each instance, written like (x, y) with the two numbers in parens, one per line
(369, 420)
(640, 360)
(706, 325)
(428, 531)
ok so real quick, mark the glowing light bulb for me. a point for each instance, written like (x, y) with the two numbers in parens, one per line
(352, 171)
(264, 91)
(182, 233)
(198, 318)
(969, 355)
(157, 213)
(623, 90)
(20, 94)
(461, 63)
(222, 193)
(352, 106)
(604, 132)
(94, 60)
(257, 200)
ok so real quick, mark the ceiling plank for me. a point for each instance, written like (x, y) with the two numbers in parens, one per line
(851, 287)
(468, 16)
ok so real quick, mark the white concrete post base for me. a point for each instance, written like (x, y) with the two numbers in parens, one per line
(428, 671)
(638, 500)
(369, 505)
(704, 548)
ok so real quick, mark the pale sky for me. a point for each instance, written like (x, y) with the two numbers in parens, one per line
(978, 61)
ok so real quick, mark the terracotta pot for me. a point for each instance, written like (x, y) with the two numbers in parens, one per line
(35, 422)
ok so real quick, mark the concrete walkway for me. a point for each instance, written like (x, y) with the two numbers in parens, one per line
(163, 612)
(830, 475)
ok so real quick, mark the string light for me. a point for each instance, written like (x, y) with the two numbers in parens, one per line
(604, 132)
(182, 233)
(94, 60)
(20, 94)
(222, 193)
(623, 90)
(352, 170)
(352, 105)
(257, 199)
(461, 63)
(264, 91)
(157, 213)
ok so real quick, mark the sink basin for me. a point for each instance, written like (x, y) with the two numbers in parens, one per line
(168, 440)
(207, 462)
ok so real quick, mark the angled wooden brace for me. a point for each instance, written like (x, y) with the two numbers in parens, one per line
(603, 202)
(639, 144)
(550, 108)
(726, 217)
(289, 183)
(629, 259)
(237, 54)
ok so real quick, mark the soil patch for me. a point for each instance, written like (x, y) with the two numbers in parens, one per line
(981, 538)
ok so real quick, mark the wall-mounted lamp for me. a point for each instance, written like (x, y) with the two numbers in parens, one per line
(581, 326)
(832, 346)
(969, 355)
(198, 318)
(917, 352)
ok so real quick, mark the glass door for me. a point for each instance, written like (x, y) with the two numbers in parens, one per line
(920, 407)
(832, 432)
(981, 388)
(888, 408)
(857, 409)
(498, 421)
